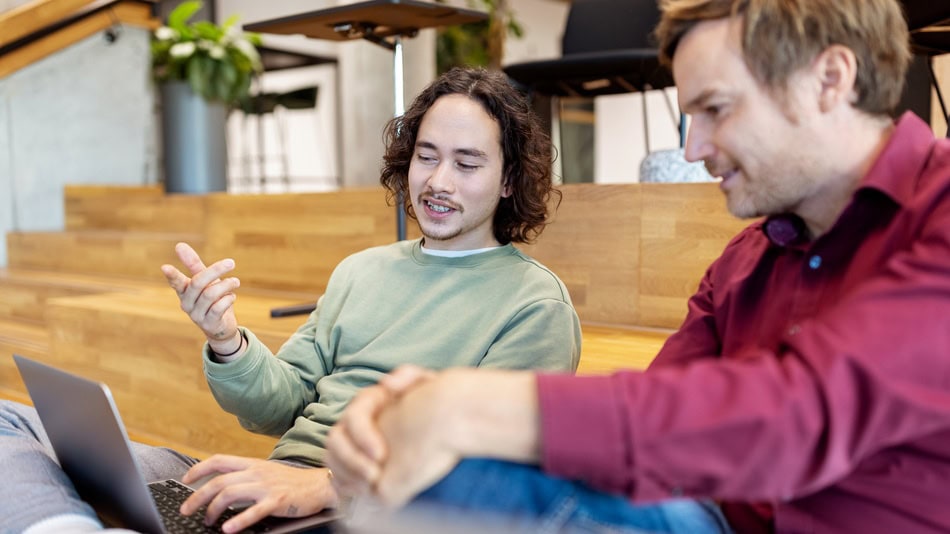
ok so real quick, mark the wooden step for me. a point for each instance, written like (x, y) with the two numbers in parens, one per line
(101, 253)
(149, 353)
(24, 292)
(133, 208)
(19, 337)
(294, 241)
(606, 349)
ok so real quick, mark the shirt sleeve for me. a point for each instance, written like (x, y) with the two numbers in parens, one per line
(267, 393)
(545, 335)
(867, 374)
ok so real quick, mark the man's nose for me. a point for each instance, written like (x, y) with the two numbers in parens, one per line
(698, 144)
(441, 177)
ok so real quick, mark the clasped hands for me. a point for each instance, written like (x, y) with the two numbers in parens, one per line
(390, 442)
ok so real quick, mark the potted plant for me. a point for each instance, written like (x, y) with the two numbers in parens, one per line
(477, 43)
(203, 69)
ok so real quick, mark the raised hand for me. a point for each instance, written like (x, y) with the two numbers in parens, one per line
(207, 298)
(274, 489)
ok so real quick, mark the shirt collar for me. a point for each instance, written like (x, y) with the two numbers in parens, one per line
(903, 158)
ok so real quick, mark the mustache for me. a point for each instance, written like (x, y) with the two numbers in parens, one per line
(426, 195)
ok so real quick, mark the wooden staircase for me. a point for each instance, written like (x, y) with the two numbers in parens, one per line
(92, 300)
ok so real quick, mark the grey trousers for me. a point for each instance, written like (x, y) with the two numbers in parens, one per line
(32, 485)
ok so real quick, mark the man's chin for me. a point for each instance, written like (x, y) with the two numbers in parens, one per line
(742, 208)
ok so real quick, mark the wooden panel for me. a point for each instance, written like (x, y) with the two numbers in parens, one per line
(127, 13)
(685, 227)
(148, 351)
(593, 246)
(23, 293)
(133, 209)
(17, 337)
(607, 349)
(34, 16)
(134, 254)
(295, 241)
(941, 66)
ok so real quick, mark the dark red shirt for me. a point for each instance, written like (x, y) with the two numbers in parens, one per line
(811, 375)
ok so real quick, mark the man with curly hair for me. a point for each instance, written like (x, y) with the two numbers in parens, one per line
(473, 166)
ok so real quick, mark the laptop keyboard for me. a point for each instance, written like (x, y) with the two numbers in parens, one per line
(168, 496)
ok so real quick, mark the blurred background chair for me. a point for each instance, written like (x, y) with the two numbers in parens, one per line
(262, 105)
(607, 49)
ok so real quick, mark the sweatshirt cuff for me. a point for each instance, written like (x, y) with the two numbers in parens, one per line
(582, 431)
(247, 363)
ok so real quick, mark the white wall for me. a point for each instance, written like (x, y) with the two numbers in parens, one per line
(343, 137)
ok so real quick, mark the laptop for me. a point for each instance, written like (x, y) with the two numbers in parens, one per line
(91, 444)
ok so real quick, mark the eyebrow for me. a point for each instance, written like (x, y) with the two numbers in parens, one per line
(699, 101)
(471, 152)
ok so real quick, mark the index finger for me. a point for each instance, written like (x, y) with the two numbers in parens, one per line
(189, 258)
(219, 463)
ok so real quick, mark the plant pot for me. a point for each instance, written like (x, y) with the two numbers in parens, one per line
(195, 152)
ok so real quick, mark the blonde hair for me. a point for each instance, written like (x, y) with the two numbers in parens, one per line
(779, 37)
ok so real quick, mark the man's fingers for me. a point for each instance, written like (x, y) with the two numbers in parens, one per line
(361, 423)
(353, 472)
(189, 258)
(235, 493)
(212, 273)
(245, 519)
(176, 279)
(219, 463)
(405, 377)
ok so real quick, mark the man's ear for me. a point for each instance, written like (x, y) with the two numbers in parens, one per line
(506, 188)
(836, 69)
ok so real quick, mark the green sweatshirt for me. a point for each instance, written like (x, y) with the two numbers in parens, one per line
(388, 306)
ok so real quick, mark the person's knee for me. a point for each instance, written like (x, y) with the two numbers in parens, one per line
(17, 418)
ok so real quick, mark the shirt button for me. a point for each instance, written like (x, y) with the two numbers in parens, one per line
(814, 262)
(794, 329)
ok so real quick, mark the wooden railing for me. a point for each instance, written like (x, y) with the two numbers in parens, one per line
(40, 28)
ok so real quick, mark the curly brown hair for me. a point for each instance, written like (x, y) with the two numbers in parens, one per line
(526, 149)
(782, 36)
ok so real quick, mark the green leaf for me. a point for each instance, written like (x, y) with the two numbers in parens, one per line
(198, 75)
(178, 18)
(208, 30)
(225, 76)
(232, 20)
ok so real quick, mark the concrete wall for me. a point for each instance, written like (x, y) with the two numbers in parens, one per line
(82, 115)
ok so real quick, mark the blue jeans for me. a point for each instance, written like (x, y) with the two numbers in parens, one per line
(509, 497)
(32, 485)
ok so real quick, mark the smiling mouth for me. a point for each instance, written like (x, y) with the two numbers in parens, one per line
(728, 174)
(439, 207)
